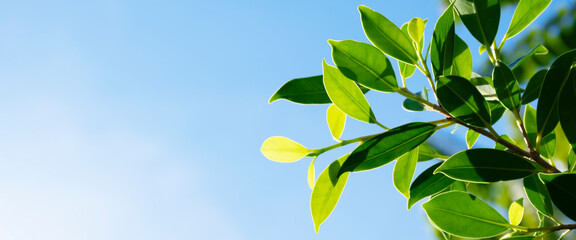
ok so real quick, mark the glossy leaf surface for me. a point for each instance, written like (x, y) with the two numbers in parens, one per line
(506, 87)
(481, 18)
(465, 215)
(486, 165)
(534, 86)
(282, 149)
(387, 36)
(471, 137)
(365, 64)
(556, 78)
(336, 121)
(388, 146)
(327, 191)
(526, 12)
(463, 101)
(404, 171)
(442, 45)
(346, 95)
(562, 191)
(538, 195)
(516, 212)
(567, 110)
(308, 90)
(428, 184)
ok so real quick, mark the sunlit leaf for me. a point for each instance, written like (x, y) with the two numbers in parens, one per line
(548, 145)
(465, 215)
(416, 31)
(530, 123)
(442, 45)
(506, 87)
(534, 86)
(481, 17)
(311, 174)
(388, 146)
(463, 101)
(538, 50)
(327, 191)
(282, 149)
(499, 146)
(538, 195)
(484, 86)
(562, 191)
(471, 137)
(427, 184)
(406, 70)
(387, 36)
(404, 171)
(308, 90)
(571, 161)
(462, 59)
(556, 78)
(526, 12)
(496, 111)
(336, 121)
(516, 212)
(365, 64)
(346, 95)
(567, 109)
(427, 152)
(486, 165)
(458, 186)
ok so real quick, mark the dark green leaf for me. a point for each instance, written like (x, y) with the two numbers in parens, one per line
(506, 87)
(496, 111)
(562, 191)
(308, 90)
(534, 86)
(411, 105)
(567, 110)
(526, 12)
(463, 101)
(538, 50)
(387, 36)
(465, 215)
(462, 63)
(530, 123)
(327, 191)
(346, 95)
(486, 165)
(404, 171)
(481, 17)
(548, 145)
(556, 78)
(538, 195)
(442, 49)
(428, 184)
(365, 64)
(388, 146)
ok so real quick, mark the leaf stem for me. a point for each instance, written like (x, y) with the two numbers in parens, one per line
(317, 152)
(382, 126)
(547, 229)
(424, 69)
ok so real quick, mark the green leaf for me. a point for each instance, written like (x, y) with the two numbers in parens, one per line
(458, 186)
(327, 191)
(571, 161)
(567, 110)
(481, 17)
(562, 191)
(442, 45)
(308, 90)
(538, 195)
(484, 86)
(556, 78)
(506, 87)
(428, 184)
(496, 111)
(499, 146)
(336, 121)
(311, 174)
(538, 50)
(534, 86)
(387, 36)
(486, 165)
(548, 145)
(465, 215)
(404, 171)
(463, 101)
(406, 70)
(471, 137)
(416, 32)
(526, 12)
(516, 212)
(411, 105)
(462, 63)
(427, 152)
(519, 238)
(346, 95)
(364, 64)
(282, 149)
(530, 123)
(388, 146)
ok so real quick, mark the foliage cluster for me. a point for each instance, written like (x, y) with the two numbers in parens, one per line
(544, 159)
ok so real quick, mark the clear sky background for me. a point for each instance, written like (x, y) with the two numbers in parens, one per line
(124, 119)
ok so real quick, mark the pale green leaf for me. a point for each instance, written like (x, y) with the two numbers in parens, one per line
(538, 50)
(471, 137)
(327, 191)
(404, 171)
(282, 149)
(516, 212)
(526, 12)
(336, 121)
(406, 70)
(499, 146)
(416, 31)
(311, 174)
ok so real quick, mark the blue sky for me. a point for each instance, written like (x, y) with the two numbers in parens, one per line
(144, 120)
